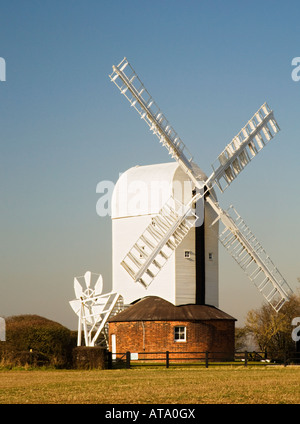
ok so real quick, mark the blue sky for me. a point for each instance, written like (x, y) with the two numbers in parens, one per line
(64, 127)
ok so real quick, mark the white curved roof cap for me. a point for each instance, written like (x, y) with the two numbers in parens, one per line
(142, 190)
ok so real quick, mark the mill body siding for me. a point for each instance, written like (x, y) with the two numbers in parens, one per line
(176, 282)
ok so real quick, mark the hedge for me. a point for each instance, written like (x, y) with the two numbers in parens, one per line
(37, 340)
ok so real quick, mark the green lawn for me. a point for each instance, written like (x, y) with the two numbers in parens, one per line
(192, 385)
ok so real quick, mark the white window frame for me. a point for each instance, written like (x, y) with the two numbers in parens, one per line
(180, 333)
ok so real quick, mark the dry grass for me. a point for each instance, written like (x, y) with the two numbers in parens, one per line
(215, 385)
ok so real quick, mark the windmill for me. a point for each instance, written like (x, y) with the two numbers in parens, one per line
(166, 231)
(93, 308)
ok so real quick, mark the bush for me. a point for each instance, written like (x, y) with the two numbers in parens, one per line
(35, 340)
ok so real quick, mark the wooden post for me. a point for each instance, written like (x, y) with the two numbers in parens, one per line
(127, 359)
(246, 358)
(206, 359)
(167, 359)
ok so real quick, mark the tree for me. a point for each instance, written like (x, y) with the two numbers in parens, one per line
(272, 331)
(240, 339)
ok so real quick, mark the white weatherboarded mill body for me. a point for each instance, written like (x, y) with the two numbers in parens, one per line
(187, 277)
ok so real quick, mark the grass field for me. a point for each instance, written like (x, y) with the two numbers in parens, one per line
(192, 385)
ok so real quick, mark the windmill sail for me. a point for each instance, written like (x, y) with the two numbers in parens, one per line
(247, 251)
(258, 131)
(148, 255)
(129, 84)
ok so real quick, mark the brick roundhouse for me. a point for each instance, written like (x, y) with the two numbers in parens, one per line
(153, 324)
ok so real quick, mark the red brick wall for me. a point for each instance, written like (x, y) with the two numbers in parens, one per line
(158, 336)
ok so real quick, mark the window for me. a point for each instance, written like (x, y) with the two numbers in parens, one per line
(180, 334)
(187, 254)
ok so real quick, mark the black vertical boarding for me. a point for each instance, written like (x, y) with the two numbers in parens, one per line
(200, 264)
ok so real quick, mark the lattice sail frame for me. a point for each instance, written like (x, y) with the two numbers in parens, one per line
(249, 254)
(252, 138)
(159, 240)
